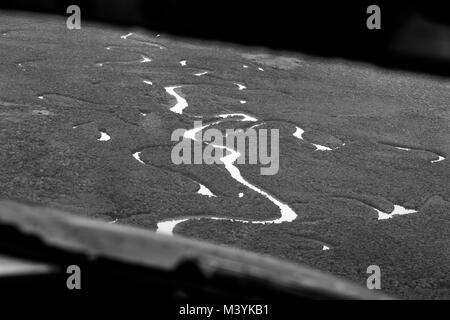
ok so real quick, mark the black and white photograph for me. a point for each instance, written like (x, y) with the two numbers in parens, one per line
(223, 159)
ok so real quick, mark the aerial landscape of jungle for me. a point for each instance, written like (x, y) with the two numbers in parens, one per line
(87, 118)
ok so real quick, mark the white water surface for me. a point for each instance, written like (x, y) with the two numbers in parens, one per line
(181, 102)
(104, 136)
(398, 210)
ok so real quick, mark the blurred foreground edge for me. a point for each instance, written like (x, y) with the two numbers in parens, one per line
(38, 244)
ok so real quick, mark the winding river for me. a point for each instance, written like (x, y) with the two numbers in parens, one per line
(410, 149)
(231, 155)
(287, 214)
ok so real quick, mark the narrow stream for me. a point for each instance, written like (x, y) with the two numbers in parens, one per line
(181, 102)
(439, 159)
(199, 74)
(127, 36)
(398, 210)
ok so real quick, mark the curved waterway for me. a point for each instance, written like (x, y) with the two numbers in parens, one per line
(181, 102)
(398, 210)
(286, 213)
(439, 159)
